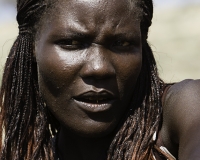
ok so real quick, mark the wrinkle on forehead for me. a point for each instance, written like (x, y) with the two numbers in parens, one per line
(131, 5)
(101, 6)
(93, 12)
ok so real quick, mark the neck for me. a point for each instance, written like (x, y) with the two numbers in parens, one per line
(73, 147)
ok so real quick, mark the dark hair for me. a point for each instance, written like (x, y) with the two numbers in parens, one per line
(24, 117)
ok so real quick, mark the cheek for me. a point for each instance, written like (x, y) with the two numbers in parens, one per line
(57, 70)
(128, 71)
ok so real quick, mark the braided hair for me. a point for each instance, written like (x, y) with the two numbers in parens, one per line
(134, 139)
(23, 115)
(27, 128)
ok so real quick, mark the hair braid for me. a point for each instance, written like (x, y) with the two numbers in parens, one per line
(23, 115)
(134, 139)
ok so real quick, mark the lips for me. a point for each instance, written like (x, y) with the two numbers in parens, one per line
(95, 101)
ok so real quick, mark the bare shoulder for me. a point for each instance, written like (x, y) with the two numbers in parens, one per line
(181, 119)
(183, 97)
(185, 87)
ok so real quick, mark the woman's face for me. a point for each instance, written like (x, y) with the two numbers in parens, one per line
(89, 58)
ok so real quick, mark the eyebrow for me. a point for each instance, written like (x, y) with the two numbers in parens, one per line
(126, 35)
(79, 32)
(63, 33)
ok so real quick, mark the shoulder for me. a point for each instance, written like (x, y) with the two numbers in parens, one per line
(184, 88)
(184, 93)
(181, 118)
(183, 97)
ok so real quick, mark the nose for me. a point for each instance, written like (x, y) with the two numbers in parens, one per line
(98, 64)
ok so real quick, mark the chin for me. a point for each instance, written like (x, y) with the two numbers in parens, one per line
(92, 130)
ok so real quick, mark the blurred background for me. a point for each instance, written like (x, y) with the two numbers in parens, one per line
(174, 37)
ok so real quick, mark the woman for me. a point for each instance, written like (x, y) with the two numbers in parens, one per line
(81, 83)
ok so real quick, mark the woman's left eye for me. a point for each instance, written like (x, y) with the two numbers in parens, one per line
(74, 42)
(122, 43)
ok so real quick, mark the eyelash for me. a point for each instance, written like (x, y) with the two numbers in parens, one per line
(122, 43)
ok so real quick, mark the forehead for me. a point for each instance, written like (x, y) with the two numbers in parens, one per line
(94, 15)
(100, 5)
(98, 9)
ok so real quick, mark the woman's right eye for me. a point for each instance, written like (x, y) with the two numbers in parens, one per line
(70, 44)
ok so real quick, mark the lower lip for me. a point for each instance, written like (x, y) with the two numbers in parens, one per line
(90, 107)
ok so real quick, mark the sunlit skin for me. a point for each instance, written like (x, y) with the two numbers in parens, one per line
(89, 58)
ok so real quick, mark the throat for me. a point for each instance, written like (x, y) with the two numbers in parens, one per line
(69, 146)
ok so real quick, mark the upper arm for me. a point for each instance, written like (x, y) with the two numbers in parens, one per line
(181, 116)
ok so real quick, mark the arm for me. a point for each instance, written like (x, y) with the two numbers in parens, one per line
(181, 119)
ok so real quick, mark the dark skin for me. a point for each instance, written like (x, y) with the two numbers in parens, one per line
(89, 57)
(87, 63)
(181, 120)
